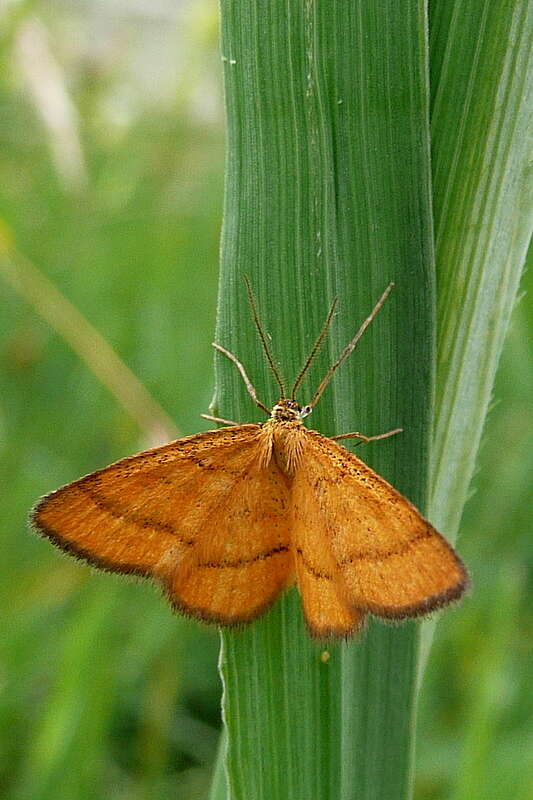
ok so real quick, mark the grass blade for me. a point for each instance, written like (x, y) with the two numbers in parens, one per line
(482, 78)
(327, 193)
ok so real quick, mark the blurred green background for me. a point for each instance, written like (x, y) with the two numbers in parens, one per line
(111, 174)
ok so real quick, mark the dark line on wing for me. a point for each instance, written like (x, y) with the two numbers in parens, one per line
(316, 573)
(241, 562)
(137, 519)
(76, 550)
(369, 556)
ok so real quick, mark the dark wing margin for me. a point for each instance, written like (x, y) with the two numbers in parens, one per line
(392, 562)
(200, 515)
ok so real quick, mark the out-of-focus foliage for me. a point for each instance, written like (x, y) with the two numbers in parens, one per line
(117, 200)
(111, 140)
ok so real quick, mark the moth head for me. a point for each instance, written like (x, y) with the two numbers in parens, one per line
(287, 410)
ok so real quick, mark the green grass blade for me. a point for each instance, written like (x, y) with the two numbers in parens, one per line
(482, 78)
(218, 783)
(327, 193)
(482, 59)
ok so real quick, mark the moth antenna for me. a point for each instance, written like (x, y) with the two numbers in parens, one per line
(248, 383)
(316, 347)
(262, 336)
(350, 347)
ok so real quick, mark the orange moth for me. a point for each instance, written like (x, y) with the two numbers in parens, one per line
(228, 519)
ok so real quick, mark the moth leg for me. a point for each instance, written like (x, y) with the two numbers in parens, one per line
(248, 383)
(220, 419)
(365, 439)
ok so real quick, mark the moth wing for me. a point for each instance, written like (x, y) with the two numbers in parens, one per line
(326, 610)
(391, 562)
(201, 515)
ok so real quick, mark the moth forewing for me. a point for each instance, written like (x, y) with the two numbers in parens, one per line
(226, 520)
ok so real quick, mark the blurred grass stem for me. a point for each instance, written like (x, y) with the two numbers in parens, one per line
(89, 345)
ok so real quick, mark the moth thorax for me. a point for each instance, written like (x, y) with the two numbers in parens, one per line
(288, 444)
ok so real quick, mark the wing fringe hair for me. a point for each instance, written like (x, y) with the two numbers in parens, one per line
(225, 522)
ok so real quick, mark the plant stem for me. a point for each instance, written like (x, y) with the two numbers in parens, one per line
(327, 192)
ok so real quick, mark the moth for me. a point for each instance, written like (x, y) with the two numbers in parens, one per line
(228, 519)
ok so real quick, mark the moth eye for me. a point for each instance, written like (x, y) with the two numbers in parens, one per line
(306, 410)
